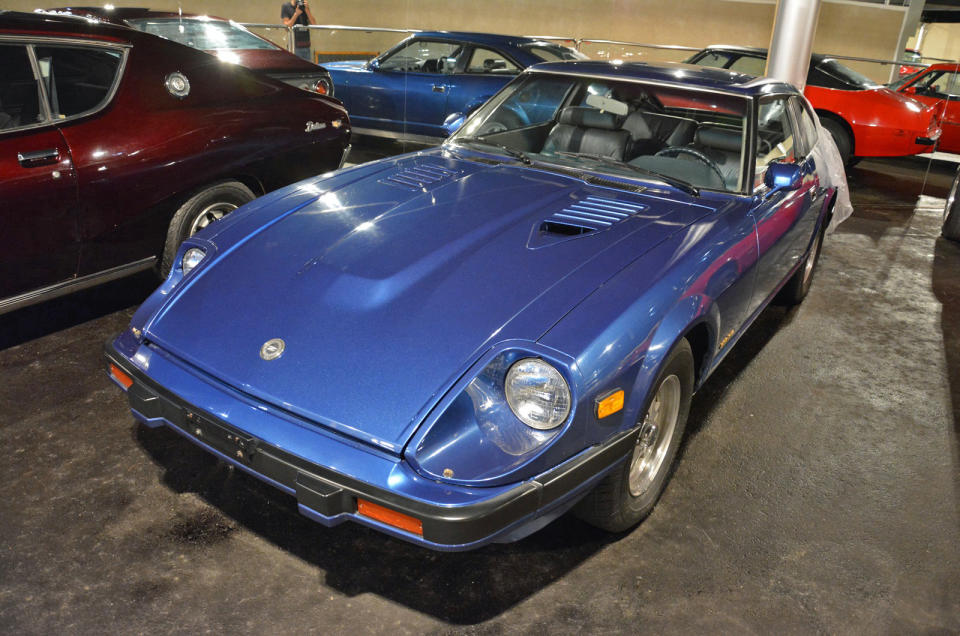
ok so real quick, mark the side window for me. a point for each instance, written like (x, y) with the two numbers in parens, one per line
(776, 138)
(749, 65)
(77, 79)
(808, 127)
(424, 56)
(19, 90)
(940, 84)
(487, 61)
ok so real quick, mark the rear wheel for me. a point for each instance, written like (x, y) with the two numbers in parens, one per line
(628, 494)
(199, 211)
(841, 137)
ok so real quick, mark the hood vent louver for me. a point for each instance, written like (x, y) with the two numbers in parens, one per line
(419, 177)
(589, 215)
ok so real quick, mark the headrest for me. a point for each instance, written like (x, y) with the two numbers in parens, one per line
(588, 118)
(719, 138)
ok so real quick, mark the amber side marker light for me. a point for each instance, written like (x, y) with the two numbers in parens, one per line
(610, 404)
(125, 380)
(390, 517)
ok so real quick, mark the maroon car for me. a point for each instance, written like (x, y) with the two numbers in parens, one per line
(226, 39)
(115, 145)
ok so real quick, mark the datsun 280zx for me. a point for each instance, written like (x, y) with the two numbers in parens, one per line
(459, 345)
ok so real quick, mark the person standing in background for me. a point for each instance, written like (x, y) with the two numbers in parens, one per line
(298, 12)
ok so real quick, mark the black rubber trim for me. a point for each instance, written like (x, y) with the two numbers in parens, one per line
(926, 141)
(330, 493)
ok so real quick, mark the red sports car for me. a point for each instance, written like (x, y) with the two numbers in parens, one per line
(115, 145)
(865, 118)
(938, 86)
(226, 39)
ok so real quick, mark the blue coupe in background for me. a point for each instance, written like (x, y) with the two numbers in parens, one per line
(459, 345)
(434, 78)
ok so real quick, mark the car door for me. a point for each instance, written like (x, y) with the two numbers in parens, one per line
(941, 87)
(407, 89)
(484, 72)
(39, 242)
(785, 219)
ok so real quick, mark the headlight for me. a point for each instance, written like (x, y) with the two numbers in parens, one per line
(191, 258)
(537, 393)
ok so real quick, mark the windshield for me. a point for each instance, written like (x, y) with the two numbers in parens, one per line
(906, 79)
(846, 74)
(912, 56)
(202, 33)
(682, 136)
(554, 52)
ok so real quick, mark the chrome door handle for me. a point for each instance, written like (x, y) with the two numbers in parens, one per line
(439, 88)
(38, 157)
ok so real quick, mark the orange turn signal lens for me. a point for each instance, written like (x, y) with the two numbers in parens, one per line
(390, 517)
(125, 380)
(610, 404)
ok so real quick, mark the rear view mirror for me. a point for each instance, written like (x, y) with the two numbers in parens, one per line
(373, 65)
(910, 90)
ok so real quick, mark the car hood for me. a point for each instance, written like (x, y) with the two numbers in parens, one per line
(385, 288)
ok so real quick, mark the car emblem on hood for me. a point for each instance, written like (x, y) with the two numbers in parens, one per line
(272, 349)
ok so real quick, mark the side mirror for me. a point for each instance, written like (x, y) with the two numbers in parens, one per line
(782, 176)
(910, 90)
(373, 65)
(453, 122)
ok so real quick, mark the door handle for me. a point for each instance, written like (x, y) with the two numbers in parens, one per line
(439, 88)
(38, 157)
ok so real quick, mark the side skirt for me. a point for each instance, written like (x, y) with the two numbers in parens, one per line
(73, 285)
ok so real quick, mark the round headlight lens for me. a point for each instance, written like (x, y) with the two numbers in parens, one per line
(191, 258)
(537, 393)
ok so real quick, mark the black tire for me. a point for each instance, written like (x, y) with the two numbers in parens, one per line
(198, 211)
(842, 137)
(951, 212)
(799, 284)
(612, 505)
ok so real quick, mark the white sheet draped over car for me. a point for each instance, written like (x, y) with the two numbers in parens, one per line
(831, 169)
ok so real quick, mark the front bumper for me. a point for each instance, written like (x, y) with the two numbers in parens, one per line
(452, 517)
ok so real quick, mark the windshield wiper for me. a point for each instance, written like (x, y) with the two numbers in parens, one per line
(513, 152)
(680, 184)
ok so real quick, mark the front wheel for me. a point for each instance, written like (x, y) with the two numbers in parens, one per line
(628, 494)
(199, 211)
(798, 286)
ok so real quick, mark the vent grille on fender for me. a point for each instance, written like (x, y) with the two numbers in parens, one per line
(589, 215)
(419, 177)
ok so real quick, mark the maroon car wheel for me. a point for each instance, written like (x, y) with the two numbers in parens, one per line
(200, 210)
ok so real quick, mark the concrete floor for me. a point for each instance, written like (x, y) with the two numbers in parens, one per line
(818, 489)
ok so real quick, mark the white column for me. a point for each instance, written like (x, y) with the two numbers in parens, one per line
(792, 40)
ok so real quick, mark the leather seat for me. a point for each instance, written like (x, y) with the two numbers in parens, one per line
(650, 132)
(722, 145)
(588, 130)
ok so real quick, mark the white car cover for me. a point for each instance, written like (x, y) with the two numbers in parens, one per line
(832, 172)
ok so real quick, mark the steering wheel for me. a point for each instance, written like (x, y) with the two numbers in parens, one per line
(673, 151)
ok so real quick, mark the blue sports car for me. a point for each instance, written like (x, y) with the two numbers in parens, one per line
(458, 345)
(420, 89)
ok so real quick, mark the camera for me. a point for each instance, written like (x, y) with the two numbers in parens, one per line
(299, 4)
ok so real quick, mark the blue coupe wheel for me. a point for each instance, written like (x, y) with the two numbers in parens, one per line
(628, 494)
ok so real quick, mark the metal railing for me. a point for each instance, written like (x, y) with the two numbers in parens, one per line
(608, 50)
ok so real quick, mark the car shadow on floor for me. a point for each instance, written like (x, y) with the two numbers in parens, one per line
(55, 315)
(460, 588)
(946, 287)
